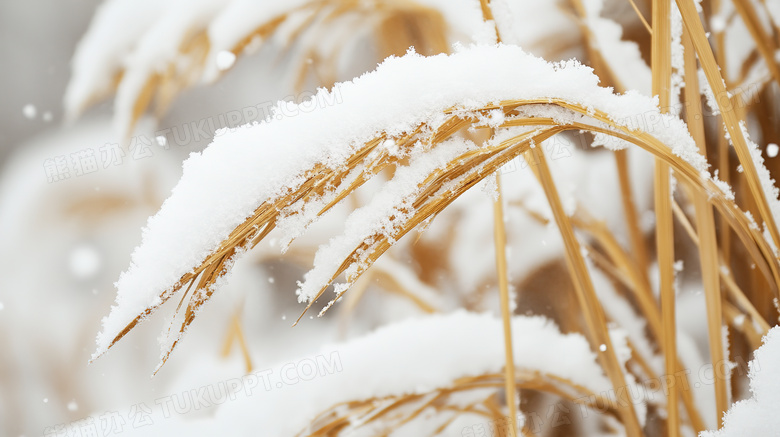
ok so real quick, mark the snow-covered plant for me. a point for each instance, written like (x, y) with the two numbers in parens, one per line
(417, 134)
(192, 41)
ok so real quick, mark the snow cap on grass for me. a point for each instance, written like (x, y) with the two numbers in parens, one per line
(100, 55)
(415, 356)
(224, 185)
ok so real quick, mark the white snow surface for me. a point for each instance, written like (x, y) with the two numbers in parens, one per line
(440, 349)
(223, 185)
(757, 416)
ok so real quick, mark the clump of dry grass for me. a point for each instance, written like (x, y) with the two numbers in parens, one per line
(461, 174)
(396, 25)
(731, 289)
(388, 414)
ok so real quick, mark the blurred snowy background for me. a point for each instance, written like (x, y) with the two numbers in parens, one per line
(36, 46)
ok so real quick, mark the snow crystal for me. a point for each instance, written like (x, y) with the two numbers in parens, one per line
(717, 23)
(73, 406)
(225, 59)
(772, 149)
(490, 187)
(161, 140)
(724, 187)
(767, 183)
(29, 111)
(47, 116)
(709, 94)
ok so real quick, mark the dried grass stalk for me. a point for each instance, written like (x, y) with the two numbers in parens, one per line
(662, 73)
(708, 245)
